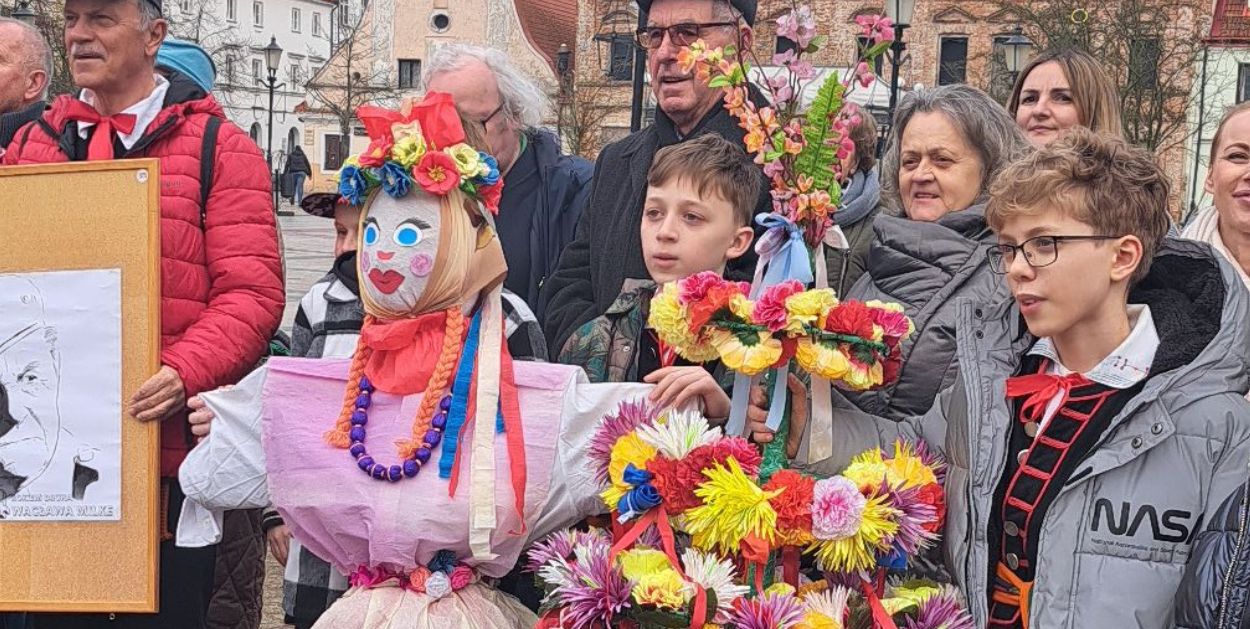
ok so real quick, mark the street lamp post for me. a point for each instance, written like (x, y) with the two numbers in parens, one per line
(563, 58)
(900, 11)
(273, 58)
(1016, 52)
(23, 13)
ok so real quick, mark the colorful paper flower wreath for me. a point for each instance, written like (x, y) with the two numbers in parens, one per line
(705, 317)
(422, 144)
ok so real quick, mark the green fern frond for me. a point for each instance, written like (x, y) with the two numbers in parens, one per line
(817, 157)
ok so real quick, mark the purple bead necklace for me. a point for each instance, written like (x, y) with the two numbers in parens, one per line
(411, 466)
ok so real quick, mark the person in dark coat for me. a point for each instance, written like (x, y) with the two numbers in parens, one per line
(544, 190)
(608, 248)
(298, 169)
(25, 69)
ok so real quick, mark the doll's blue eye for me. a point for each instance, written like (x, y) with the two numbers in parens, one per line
(407, 235)
(371, 234)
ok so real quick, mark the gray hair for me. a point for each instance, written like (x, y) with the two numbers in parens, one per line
(148, 13)
(983, 123)
(37, 53)
(523, 101)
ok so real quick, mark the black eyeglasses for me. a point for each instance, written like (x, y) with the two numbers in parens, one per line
(487, 119)
(1039, 251)
(682, 34)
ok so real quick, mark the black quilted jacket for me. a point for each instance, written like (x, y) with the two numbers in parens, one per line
(1216, 590)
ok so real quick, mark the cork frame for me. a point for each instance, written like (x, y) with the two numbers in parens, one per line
(106, 216)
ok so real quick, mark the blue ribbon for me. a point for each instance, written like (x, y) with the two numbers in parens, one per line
(642, 497)
(736, 426)
(782, 252)
(459, 399)
(895, 560)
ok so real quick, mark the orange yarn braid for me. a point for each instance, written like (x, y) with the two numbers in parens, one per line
(439, 380)
(339, 436)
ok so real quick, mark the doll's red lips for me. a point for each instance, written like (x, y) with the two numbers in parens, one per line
(387, 282)
(385, 255)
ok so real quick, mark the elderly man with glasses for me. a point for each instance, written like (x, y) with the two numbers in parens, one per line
(608, 248)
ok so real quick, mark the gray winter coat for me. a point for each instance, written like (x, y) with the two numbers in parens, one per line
(1115, 541)
(925, 267)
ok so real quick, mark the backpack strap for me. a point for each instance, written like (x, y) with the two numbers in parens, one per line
(207, 153)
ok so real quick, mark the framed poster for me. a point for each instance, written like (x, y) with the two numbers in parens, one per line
(79, 333)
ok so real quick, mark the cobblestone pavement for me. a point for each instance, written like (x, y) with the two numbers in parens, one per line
(309, 245)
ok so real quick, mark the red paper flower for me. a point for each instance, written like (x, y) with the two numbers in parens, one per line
(717, 297)
(794, 504)
(770, 309)
(490, 196)
(695, 287)
(932, 494)
(379, 149)
(748, 456)
(852, 318)
(461, 577)
(676, 482)
(436, 173)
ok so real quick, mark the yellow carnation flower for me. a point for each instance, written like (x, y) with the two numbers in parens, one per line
(817, 620)
(641, 561)
(821, 360)
(867, 470)
(628, 449)
(409, 150)
(747, 358)
(663, 589)
(808, 308)
(741, 307)
(468, 162)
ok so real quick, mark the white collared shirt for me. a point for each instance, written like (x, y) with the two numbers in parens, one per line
(145, 111)
(1124, 367)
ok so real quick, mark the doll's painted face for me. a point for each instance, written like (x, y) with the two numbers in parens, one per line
(398, 243)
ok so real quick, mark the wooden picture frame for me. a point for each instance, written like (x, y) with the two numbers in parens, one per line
(76, 217)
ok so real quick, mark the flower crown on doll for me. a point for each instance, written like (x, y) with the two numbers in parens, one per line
(423, 142)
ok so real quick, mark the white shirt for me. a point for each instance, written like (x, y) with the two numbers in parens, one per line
(1125, 366)
(145, 111)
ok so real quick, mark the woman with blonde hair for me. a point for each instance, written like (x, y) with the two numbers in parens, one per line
(1063, 88)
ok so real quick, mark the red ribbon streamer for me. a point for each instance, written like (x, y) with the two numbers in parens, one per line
(659, 517)
(880, 618)
(790, 565)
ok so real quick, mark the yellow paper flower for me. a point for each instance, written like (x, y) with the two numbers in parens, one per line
(741, 307)
(808, 308)
(628, 449)
(780, 588)
(468, 162)
(821, 360)
(861, 378)
(858, 552)
(746, 358)
(668, 319)
(642, 561)
(408, 150)
(734, 506)
(905, 469)
(663, 589)
(354, 160)
(908, 598)
(817, 620)
(867, 470)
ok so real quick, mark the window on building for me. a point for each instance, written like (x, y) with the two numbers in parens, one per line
(316, 24)
(258, 13)
(295, 19)
(409, 73)
(185, 5)
(255, 132)
(784, 44)
(1143, 63)
(230, 80)
(1243, 82)
(862, 46)
(332, 160)
(344, 16)
(953, 60)
(621, 60)
(232, 10)
(258, 71)
(295, 78)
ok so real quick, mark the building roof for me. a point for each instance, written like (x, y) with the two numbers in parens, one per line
(549, 23)
(1231, 22)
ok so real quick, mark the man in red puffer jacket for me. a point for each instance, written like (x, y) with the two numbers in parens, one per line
(221, 269)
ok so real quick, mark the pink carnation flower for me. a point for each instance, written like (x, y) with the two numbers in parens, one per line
(696, 287)
(770, 309)
(461, 577)
(837, 508)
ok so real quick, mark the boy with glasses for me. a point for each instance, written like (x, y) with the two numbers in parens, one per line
(1097, 420)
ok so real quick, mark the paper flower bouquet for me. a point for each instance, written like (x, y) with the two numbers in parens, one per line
(855, 344)
(697, 537)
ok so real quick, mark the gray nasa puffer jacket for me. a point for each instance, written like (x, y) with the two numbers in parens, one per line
(925, 267)
(1114, 543)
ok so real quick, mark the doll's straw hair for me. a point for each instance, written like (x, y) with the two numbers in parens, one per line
(339, 436)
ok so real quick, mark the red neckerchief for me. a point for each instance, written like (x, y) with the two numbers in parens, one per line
(101, 145)
(1041, 388)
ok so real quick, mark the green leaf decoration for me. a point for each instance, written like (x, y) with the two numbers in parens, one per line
(817, 43)
(719, 80)
(816, 157)
(877, 50)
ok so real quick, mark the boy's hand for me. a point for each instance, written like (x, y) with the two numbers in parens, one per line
(757, 415)
(677, 385)
(279, 538)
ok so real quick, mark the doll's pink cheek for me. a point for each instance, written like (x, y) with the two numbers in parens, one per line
(366, 262)
(421, 265)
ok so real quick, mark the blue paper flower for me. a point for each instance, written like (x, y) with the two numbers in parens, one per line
(491, 177)
(443, 561)
(352, 185)
(396, 180)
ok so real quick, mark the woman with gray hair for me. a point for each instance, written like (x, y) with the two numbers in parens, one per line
(946, 146)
